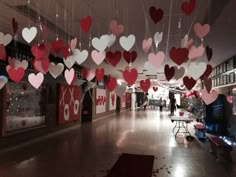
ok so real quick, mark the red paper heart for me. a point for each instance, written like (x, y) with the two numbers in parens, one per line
(207, 73)
(169, 72)
(179, 55)
(188, 7)
(156, 14)
(3, 54)
(113, 58)
(66, 51)
(145, 85)
(38, 51)
(74, 79)
(155, 89)
(83, 72)
(99, 73)
(41, 65)
(115, 28)
(57, 46)
(111, 83)
(14, 25)
(189, 82)
(130, 57)
(209, 53)
(130, 76)
(208, 84)
(16, 74)
(85, 23)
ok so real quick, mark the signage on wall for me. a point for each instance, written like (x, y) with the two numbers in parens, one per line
(100, 100)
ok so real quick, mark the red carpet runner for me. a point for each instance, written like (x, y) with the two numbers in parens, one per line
(132, 165)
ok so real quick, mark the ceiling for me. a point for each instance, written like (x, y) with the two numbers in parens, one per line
(134, 15)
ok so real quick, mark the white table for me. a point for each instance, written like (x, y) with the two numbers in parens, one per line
(181, 123)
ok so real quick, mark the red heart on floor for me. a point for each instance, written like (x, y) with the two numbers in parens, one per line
(130, 76)
(156, 14)
(208, 84)
(99, 73)
(111, 83)
(207, 73)
(16, 74)
(209, 53)
(113, 58)
(189, 82)
(3, 54)
(66, 51)
(130, 57)
(14, 25)
(83, 72)
(38, 51)
(179, 55)
(188, 7)
(145, 85)
(169, 72)
(155, 89)
(57, 46)
(85, 23)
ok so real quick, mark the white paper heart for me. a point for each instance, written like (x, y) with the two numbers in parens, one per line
(111, 40)
(55, 70)
(24, 64)
(69, 75)
(36, 80)
(209, 98)
(3, 81)
(69, 62)
(73, 43)
(158, 37)
(195, 70)
(100, 44)
(29, 34)
(156, 59)
(196, 52)
(80, 56)
(179, 72)
(98, 57)
(146, 44)
(149, 68)
(127, 42)
(5, 39)
(120, 90)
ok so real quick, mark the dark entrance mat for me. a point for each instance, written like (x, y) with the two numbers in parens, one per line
(132, 165)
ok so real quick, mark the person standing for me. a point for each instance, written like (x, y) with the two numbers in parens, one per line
(161, 104)
(172, 106)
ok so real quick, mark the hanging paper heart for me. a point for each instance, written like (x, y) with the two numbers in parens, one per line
(111, 40)
(179, 72)
(127, 42)
(69, 62)
(69, 75)
(24, 64)
(130, 76)
(41, 65)
(156, 14)
(5, 39)
(57, 46)
(207, 73)
(169, 72)
(209, 98)
(145, 85)
(98, 57)
(83, 72)
(130, 57)
(156, 59)
(90, 74)
(229, 99)
(3, 55)
(189, 82)
(113, 58)
(196, 52)
(11, 61)
(73, 43)
(185, 43)
(188, 7)
(55, 69)
(209, 53)
(116, 29)
(149, 68)
(36, 80)
(29, 34)
(66, 51)
(147, 44)
(44, 30)
(39, 51)
(155, 89)
(3, 81)
(99, 74)
(120, 90)
(100, 44)
(195, 70)
(179, 55)
(200, 30)
(80, 56)
(208, 84)
(85, 23)
(111, 83)
(14, 25)
(158, 37)
(16, 74)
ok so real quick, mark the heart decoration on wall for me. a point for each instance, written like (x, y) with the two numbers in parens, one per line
(158, 38)
(113, 58)
(179, 72)
(111, 83)
(201, 30)
(130, 76)
(195, 70)
(14, 24)
(5, 39)
(90, 74)
(80, 56)
(169, 72)
(73, 43)
(145, 85)
(196, 52)
(127, 42)
(179, 55)
(146, 44)
(85, 23)
(3, 54)
(36, 80)
(3, 81)
(209, 98)
(130, 57)
(57, 46)
(156, 59)
(69, 75)
(155, 89)
(156, 14)
(208, 84)
(16, 74)
(207, 72)
(188, 7)
(99, 74)
(116, 28)
(209, 53)
(29, 34)
(98, 57)
(189, 82)
(120, 90)
(100, 44)
(55, 69)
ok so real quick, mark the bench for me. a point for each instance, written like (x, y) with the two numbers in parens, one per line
(200, 131)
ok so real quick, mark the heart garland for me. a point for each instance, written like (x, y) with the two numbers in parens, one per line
(73, 43)
(55, 69)
(130, 57)
(158, 38)
(5, 39)
(111, 40)
(41, 65)
(179, 55)
(69, 75)
(155, 89)
(98, 57)
(113, 58)
(99, 73)
(195, 70)
(188, 7)
(69, 61)
(36, 80)
(179, 72)
(145, 85)
(110, 83)
(16, 74)
(80, 56)
(57, 46)
(189, 82)
(196, 52)
(130, 76)
(185, 43)
(116, 28)
(85, 23)
(201, 30)
(207, 72)
(169, 72)
(100, 44)
(146, 44)
(209, 98)
(29, 34)
(127, 42)
(90, 74)
(156, 59)
(156, 14)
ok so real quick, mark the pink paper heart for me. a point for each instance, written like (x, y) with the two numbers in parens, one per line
(209, 98)
(147, 44)
(36, 80)
(156, 59)
(200, 30)
(98, 57)
(41, 65)
(73, 43)
(69, 75)
(229, 99)
(196, 52)
(90, 74)
(11, 61)
(115, 28)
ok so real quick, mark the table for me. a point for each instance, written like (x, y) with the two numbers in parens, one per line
(181, 123)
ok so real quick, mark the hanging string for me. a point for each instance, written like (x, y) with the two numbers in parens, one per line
(57, 16)
(169, 27)
(28, 4)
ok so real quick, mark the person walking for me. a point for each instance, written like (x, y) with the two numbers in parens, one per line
(172, 106)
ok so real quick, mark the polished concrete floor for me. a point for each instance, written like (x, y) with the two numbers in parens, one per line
(91, 150)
